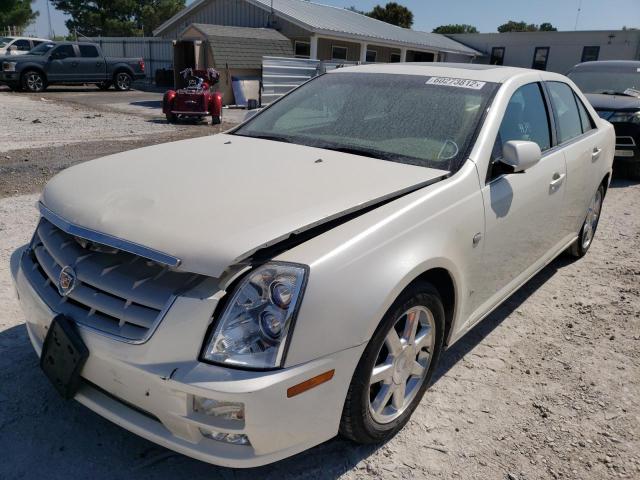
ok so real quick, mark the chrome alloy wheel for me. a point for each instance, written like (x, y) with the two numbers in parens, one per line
(591, 222)
(123, 80)
(35, 82)
(402, 364)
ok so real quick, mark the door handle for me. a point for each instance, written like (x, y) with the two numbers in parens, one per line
(74, 64)
(595, 154)
(557, 179)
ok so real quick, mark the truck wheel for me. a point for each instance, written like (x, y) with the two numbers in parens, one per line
(33, 81)
(630, 170)
(396, 367)
(123, 81)
(216, 119)
(104, 85)
(171, 118)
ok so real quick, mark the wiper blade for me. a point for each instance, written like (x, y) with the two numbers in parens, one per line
(275, 138)
(366, 152)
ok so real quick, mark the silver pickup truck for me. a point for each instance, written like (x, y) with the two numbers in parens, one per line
(69, 63)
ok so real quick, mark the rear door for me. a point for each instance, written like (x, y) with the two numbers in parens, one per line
(91, 66)
(581, 143)
(521, 209)
(63, 64)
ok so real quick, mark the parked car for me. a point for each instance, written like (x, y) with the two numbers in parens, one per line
(18, 45)
(69, 63)
(613, 88)
(196, 100)
(300, 275)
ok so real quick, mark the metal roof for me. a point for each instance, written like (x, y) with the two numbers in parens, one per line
(343, 23)
(243, 47)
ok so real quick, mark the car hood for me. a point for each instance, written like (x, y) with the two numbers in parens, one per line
(601, 101)
(215, 200)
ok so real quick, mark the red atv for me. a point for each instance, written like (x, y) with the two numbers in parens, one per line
(196, 100)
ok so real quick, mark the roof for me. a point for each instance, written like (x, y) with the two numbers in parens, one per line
(467, 71)
(340, 22)
(243, 47)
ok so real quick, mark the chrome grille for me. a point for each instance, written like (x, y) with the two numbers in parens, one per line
(116, 292)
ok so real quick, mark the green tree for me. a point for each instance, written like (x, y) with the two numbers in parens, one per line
(455, 28)
(16, 13)
(117, 18)
(513, 26)
(393, 13)
(547, 27)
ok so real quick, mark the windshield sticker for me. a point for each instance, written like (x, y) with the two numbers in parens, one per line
(456, 82)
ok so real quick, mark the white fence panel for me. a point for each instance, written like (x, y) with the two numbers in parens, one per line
(156, 52)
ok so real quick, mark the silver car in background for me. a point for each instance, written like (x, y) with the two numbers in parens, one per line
(242, 297)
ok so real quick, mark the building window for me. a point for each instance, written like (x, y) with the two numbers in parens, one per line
(590, 54)
(303, 49)
(395, 58)
(497, 56)
(540, 57)
(338, 53)
(372, 55)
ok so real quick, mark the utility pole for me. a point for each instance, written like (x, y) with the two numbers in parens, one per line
(578, 14)
(52, 34)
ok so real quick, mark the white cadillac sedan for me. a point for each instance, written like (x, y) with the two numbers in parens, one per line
(242, 297)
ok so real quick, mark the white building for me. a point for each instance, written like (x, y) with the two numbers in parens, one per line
(322, 32)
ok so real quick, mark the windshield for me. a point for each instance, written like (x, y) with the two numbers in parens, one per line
(410, 119)
(4, 41)
(610, 80)
(41, 49)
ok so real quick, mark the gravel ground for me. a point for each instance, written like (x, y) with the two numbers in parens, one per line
(546, 387)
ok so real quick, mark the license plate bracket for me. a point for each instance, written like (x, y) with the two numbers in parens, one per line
(63, 356)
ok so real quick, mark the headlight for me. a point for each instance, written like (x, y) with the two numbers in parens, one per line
(9, 66)
(625, 117)
(258, 319)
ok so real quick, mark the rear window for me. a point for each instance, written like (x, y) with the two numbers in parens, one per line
(88, 51)
(418, 120)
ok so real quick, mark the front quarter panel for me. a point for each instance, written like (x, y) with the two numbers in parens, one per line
(358, 269)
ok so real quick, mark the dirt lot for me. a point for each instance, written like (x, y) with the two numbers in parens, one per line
(547, 387)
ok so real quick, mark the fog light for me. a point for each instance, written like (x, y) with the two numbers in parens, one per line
(232, 438)
(226, 410)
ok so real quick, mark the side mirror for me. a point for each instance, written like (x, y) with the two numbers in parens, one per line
(12, 49)
(520, 155)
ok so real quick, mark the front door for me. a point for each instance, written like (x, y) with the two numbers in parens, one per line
(63, 64)
(521, 209)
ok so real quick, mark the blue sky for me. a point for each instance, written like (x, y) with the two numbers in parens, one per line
(485, 15)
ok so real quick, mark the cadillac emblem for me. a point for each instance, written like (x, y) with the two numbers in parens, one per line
(66, 281)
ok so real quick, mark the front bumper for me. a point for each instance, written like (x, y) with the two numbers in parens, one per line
(154, 397)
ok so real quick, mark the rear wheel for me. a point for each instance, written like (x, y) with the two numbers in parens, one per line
(33, 81)
(171, 118)
(396, 367)
(588, 230)
(123, 81)
(216, 120)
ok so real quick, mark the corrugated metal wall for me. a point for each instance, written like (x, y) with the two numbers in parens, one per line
(281, 75)
(156, 52)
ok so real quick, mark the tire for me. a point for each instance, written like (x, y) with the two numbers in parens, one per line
(216, 120)
(122, 81)
(630, 170)
(171, 118)
(34, 81)
(588, 230)
(104, 85)
(372, 413)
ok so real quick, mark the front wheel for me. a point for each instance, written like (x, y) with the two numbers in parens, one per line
(33, 81)
(171, 118)
(123, 81)
(396, 367)
(580, 247)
